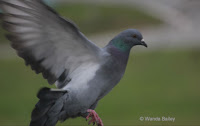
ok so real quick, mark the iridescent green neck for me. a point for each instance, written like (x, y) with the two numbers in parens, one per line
(121, 45)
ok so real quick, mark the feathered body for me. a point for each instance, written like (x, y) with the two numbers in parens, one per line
(90, 86)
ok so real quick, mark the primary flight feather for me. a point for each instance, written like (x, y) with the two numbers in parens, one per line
(54, 46)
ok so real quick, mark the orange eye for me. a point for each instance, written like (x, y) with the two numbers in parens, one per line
(134, 36)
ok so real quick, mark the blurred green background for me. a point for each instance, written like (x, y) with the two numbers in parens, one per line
(160, 82)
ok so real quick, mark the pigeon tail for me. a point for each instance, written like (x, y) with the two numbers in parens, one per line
(50, 105)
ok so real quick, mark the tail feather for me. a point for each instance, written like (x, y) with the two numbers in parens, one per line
(46, 111)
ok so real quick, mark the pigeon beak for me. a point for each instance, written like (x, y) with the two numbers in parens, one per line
(143, 43)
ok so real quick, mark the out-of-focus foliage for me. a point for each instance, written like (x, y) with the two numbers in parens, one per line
(92, 18)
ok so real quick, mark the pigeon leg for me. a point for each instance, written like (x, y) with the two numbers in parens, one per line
(95, 118)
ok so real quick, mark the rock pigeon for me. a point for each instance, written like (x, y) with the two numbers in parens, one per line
(82, 72)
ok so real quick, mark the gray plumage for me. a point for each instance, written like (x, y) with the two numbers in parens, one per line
(54, 46)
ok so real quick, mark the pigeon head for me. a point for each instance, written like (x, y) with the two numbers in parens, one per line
(127, 39)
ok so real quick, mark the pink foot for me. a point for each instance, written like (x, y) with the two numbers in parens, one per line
(95, 118)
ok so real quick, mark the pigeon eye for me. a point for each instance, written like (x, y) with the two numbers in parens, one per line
(134, 36)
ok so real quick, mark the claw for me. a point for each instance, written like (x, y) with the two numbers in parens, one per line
(95, 118)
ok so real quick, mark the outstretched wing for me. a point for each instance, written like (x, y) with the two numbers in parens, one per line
(48, 43)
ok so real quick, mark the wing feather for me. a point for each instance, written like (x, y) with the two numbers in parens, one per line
(48, 43)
